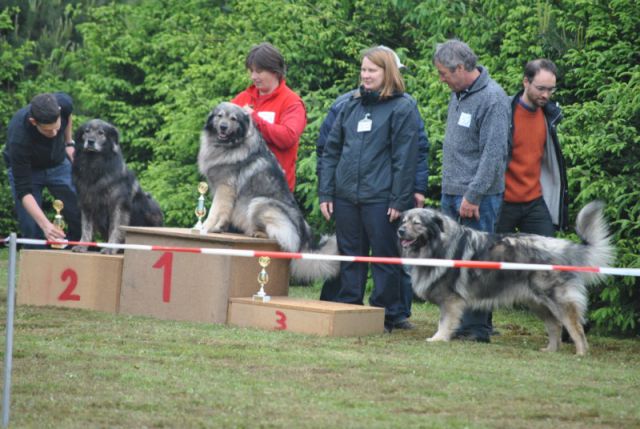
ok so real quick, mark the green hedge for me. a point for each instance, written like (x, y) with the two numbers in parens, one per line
(155, 68)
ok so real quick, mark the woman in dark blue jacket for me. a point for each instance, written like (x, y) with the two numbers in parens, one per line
(368, 172)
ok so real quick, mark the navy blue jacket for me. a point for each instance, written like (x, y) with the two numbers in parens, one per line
(376, 166)
(422, 168)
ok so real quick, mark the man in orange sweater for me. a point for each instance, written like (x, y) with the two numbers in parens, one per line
(535, 197)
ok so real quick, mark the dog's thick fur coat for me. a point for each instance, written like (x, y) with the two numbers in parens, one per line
(250, 192)
(559, 298)
(109, 194)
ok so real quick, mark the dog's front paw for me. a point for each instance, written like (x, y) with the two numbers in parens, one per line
(109, 251)
(437, 337)
(260, 234)
(80, 249)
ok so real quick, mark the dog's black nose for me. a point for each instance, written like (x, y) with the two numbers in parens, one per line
(224, 127)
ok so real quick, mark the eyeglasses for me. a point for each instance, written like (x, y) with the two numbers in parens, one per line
(550, 90)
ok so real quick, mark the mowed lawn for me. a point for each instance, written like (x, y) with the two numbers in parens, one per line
(85, 369)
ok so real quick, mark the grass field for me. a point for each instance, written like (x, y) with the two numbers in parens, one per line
(83, 369)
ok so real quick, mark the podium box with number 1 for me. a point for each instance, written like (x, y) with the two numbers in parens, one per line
(193, 286)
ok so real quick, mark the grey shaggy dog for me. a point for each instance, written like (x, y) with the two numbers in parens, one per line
(250, 192)
(559, 298)
(109, 194)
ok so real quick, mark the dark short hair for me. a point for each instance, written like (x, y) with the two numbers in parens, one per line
(267, 57)
(453, 53)
(45, 108)
(533, 67)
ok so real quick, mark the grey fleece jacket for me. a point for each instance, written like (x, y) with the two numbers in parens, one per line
(474, 152)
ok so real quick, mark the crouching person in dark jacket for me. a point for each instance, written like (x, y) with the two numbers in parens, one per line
(368, 172)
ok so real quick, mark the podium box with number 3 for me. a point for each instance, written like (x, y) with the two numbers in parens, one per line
(193, 286)
(66, 279)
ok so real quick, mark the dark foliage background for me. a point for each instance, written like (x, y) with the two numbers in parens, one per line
(156, 67)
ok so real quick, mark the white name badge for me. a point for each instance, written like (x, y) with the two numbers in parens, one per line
(365, 125)
(464, 120)
(270, 117)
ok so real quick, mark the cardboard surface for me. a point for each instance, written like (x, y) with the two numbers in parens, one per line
(306, 316)
(66, 279)
(193, 286)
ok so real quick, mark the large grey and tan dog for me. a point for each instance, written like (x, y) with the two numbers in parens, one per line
(559, 298)
(250, 192)
(109, 194)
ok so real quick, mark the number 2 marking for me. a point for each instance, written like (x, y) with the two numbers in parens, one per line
(67, 294)
(166, 263)
(281, 321)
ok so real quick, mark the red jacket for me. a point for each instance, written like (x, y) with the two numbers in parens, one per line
(281, 118)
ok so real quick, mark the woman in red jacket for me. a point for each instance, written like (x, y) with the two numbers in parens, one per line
(277, 111)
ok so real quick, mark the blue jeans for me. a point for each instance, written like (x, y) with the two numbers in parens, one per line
(58, 181)
(360, 227)
(476, 323)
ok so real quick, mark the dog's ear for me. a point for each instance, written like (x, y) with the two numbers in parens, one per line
(439, 223)
(113, 135)
(208, 124)
(78, 136)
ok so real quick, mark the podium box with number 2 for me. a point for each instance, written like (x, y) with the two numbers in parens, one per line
(193, 286)
(65, 279)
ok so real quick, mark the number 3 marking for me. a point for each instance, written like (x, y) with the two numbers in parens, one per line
(281, 321)
(67, 294)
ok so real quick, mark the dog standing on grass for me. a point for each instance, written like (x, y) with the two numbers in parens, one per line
(559, 298)
(109, 194)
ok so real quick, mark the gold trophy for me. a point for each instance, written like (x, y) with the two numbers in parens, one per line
(58, 221)
(263, 279)
(201, 210)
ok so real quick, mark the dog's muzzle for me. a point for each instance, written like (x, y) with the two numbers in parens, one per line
(404, 240)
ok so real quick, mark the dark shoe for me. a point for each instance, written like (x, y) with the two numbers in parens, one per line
(388, 327)
(404, 324)
(472, 337)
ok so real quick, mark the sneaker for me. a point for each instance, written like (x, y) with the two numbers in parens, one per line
(472, 337)
(404, 324)
(388, 327)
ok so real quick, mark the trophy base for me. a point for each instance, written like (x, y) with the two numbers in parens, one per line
(261, 298)
(198, 231)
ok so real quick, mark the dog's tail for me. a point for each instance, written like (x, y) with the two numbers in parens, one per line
(592, 228)
(306, 271)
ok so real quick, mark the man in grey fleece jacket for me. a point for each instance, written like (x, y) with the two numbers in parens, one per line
(474, 153)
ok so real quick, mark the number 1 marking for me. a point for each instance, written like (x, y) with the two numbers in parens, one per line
(166, 263)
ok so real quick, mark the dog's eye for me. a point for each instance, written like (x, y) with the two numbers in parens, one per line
(416, 222)
(100, 132)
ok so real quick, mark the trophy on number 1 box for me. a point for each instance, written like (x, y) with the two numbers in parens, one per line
(201, 210)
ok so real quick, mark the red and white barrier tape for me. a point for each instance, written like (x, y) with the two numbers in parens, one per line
(447, 263)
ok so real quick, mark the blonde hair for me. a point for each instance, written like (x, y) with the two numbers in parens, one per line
(385, 58)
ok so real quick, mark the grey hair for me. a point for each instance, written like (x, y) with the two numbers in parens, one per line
(454, 52)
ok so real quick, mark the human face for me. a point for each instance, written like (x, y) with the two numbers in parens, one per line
(47, 130)
(538, 92)
(455, 79)
(371, 75)
(264, 80)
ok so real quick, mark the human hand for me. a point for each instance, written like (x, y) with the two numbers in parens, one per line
(71, 151)
(248, 108)
(53, 232)
(327, 209)
(468, 210)
(419, 199)
(393, 214)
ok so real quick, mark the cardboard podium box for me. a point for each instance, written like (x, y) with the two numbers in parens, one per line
(283, 313)
(66, 279)
(193, 286)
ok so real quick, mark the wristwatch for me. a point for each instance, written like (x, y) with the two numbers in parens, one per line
(70, 144)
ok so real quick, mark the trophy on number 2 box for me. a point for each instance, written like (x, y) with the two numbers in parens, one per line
(58, 221)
